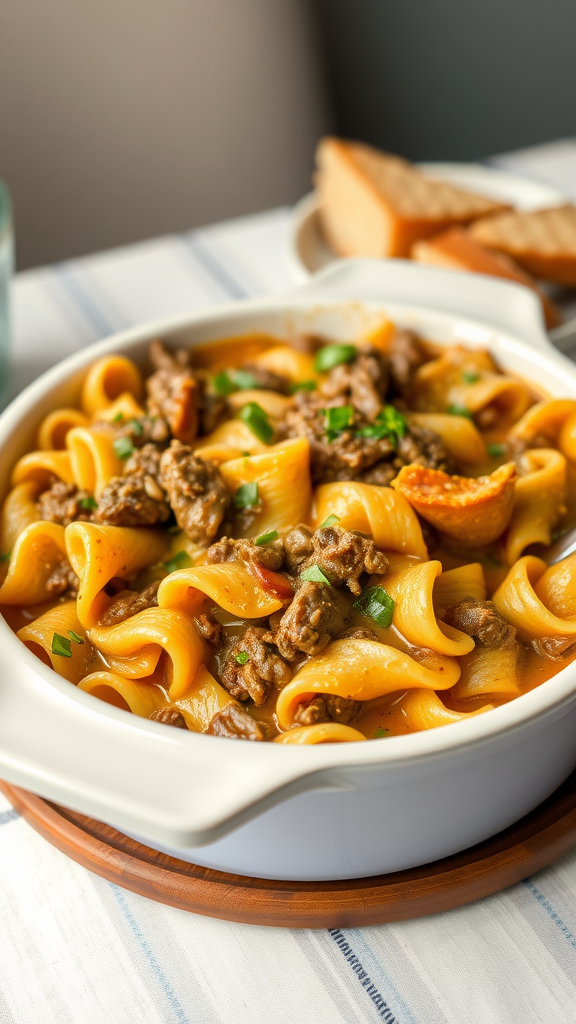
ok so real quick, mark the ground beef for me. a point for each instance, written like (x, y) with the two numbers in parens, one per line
(209, 629)
(133, 500)
(309, 344)
(235, 723)
(328, 708)
(128, 603)
(62, 581)
(362, 383)
(380, 475)
(267, 378)
(263, 669)
(144, 460)
(343, 556)
(173, 392)
(213, 410)
(482, 621)
(144, 430)
(298, 547)
(405, 355)
(62, 503)
(344, 458)
(271, 555)
(169, 716)
(310, 623)
(425, 447)
(196, 491)
(555, 648)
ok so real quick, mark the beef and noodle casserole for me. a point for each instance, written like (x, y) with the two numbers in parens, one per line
(297, 541)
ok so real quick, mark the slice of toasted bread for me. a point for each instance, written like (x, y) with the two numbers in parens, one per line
(373, 204)
(543, 242)
(456, 250)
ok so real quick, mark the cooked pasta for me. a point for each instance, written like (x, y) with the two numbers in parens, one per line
(295, 540)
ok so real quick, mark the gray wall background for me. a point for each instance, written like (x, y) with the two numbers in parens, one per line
(451, 79)
(124, 119)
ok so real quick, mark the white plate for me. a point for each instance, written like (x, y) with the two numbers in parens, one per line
(307, 251)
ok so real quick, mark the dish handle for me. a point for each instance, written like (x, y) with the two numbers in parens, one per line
(507, 307)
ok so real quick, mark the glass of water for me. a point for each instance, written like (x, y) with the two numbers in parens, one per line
(6, 268)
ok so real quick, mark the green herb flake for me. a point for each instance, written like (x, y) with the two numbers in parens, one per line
(496, 450)
(181, 560)
(242, 657)
(314, 574)
(256, 419)
(459, 410)
(470, 377)
(302, 385)
(246, 496)
(88, 503)
(380, 732)
(330, 521)
(174, 528)
(123, 447)
(118, 417)
(267, 538)
(492, 562)
(75, 637)
(333, 355)
(376, 604)
(61, 646)
(136, 427)
(246, 454)
(389, 423)
(6, 556)
(223, 384)
(336, 419)
(243, 380)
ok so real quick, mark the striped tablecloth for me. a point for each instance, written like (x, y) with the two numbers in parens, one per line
(75, 949)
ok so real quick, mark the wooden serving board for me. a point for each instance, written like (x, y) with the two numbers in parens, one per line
(524, 848)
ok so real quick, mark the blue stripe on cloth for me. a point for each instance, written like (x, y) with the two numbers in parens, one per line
(552, 913)
(10, 815)
(365, 981)
(84, 301)
(214, 266)
(179, 1012)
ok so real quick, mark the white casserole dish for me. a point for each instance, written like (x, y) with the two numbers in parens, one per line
(309, 812)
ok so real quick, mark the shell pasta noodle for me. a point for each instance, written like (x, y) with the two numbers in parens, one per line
(296, 540)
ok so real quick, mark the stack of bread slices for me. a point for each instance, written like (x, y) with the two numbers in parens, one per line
(375, 204)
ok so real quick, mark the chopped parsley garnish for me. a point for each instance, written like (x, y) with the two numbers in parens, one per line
(302, 385)
(242, 657)
(61, 646)
(314, 574)
(223, 384)
(75, 637)
(228, 381)
(256, 419)
(459, 410)
(337, 419)
(496, 450)
(88, 503)
(267, 538)
(470, 376)
(181, 560)
(389, 423)
(136, 427)
(330, 521)
(380, 732)
(118, 417)
(376, 604)
(6, 556)
(246, 496)
(123, 447)
(333, 355)
(173, 528)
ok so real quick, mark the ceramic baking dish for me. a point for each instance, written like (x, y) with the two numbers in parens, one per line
(307, 812)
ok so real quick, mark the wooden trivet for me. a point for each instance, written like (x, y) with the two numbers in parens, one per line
(524, 848)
